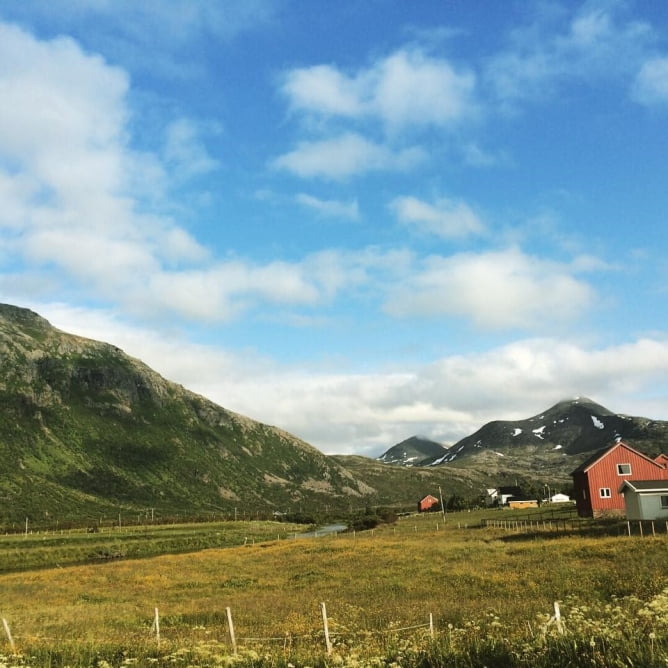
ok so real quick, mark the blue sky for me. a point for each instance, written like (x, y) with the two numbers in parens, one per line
(358, 221)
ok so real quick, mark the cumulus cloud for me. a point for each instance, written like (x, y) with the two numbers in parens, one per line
(496, 290)
(72, 203)
(329, 207)
(444, 218)
(405, 89)
(344, 156)
(651, 84)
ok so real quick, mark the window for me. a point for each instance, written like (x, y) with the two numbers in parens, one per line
(664, 502)
(605, 492)
(623, 469)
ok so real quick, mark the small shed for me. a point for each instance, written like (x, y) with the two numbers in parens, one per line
(559, 498)
(645, 499)
(427, 503)
(520, 504)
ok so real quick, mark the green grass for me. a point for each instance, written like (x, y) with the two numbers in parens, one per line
(490, 592)
(58, 548)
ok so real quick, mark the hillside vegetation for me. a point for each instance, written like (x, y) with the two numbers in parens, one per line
(88, 434)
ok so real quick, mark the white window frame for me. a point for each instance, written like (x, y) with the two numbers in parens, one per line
(605, 493)
(621, 472)
(664, 502)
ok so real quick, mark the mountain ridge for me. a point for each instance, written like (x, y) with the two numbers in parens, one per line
(557, 438)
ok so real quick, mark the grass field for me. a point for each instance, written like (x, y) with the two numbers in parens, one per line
(490, 593)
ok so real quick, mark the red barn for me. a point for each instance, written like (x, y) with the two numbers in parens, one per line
(427, 503)
(598, 480)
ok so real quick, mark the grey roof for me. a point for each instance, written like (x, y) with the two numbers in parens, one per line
(646, 485)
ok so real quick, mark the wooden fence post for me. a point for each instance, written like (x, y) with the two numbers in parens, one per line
(431, 624)
(156, 623)
(230, 626)
(557, 617)
(328, 642)
(9, 635)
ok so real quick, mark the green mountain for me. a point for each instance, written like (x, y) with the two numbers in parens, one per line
(87, 431)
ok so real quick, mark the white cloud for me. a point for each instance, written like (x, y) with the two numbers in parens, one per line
(495, 290)
(406, 89)
(413, 89)
(185, 151)
(445, 218)
(651, 84)
(71, 203)
(325, 90)
(596, 42)
(330, 207)
(366, 413)
(151, 35)
(344, 156)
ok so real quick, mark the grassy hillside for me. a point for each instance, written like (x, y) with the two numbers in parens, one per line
(413, 483)
(86, 431)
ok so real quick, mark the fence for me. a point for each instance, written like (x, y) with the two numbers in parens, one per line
(325, 634)
(581, 526)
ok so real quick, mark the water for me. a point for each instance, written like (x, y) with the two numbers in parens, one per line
(323, 531)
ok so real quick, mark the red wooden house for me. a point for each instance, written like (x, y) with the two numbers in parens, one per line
(598, 480)
(427, 503)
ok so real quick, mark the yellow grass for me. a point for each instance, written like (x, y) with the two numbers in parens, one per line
(371, 583)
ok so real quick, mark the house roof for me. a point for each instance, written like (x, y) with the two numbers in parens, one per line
(600, 454)
(661, 459)
(645, 486)
(509, 489)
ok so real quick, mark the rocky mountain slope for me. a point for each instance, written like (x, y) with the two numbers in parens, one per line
(85, 430)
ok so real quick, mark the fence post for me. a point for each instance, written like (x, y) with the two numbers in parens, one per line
(230, 626)
(557, 617)
(9, 635)
(328, 642)
(431, 624)
(156, 624)
(628, 527)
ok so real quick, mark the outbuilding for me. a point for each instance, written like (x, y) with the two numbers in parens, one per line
(427, 503)
(645, 499)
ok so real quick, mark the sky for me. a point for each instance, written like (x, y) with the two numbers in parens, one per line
(358, 221)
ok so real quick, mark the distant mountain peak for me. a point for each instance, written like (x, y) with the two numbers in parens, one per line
(413, 451)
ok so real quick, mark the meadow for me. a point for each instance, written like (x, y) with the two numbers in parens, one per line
(489, 594)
